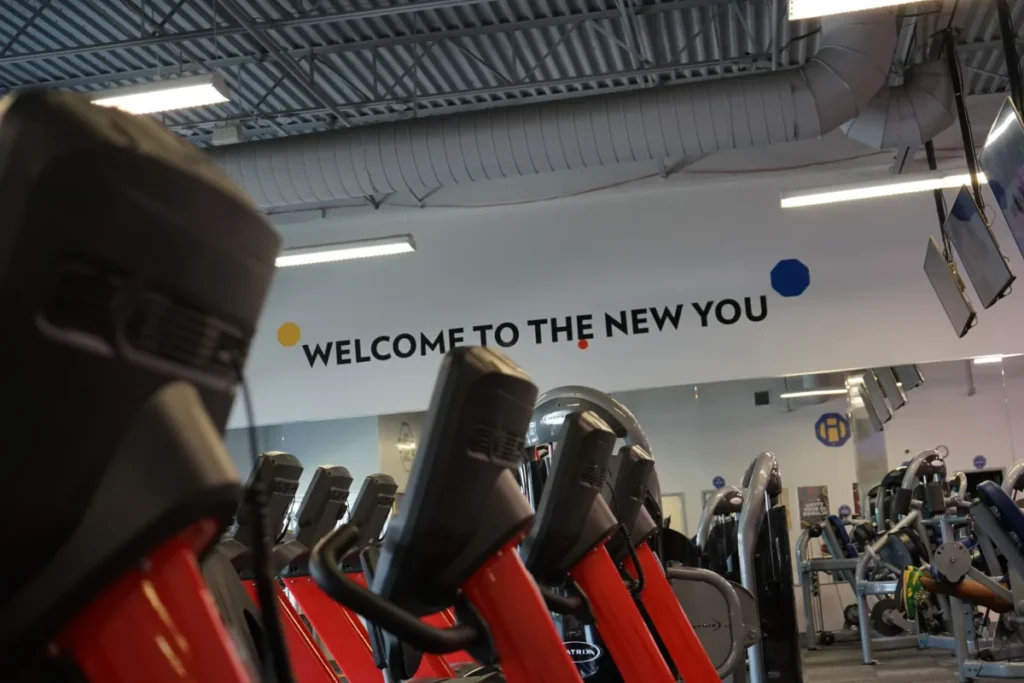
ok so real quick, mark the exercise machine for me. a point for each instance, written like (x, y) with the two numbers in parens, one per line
(709, 603)
(569, 539)
(455, 543)
(119, 238)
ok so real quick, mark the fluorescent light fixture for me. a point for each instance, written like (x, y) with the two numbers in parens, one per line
(814, 392)
(169, 95)
(849, 193)
(405, 447)
(809, 9)
(997, 358)
(346, 251)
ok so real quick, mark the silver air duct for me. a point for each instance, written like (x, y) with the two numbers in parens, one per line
(908, 115)
(849, 69)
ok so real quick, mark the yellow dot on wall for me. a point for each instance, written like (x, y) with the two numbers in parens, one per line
(288, 334)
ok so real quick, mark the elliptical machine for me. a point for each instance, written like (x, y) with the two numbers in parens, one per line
(723, 616)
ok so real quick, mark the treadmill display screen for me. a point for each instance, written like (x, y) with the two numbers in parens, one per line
(978, 250)
(1002, 159)
(958, 309)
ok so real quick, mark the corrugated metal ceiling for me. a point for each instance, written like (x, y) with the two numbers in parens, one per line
(372, 60)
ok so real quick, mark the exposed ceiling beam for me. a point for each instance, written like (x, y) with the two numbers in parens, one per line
(320, 126)
(579, 81)
(365, 45)
(336, 17)
(286, 61)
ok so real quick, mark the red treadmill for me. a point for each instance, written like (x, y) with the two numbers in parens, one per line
(455, 543)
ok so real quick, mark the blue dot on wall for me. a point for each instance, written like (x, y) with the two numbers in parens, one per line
(844, 511)
(790, 277)
(718, 482)
(980, 462)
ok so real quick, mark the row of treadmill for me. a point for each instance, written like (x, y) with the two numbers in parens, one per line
(516, 555)
(936, 564)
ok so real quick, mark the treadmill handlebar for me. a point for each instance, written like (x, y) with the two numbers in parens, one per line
(324, 564)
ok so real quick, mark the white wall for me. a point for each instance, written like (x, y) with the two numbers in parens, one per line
(698, 433)
(397, 433)
(351, 443)
(659, 245)
(940, 412)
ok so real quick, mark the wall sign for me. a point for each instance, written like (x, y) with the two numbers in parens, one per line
(979, 462)
(844, 511)
(718, 482)
(813, 503)
(654, 306)
(832, 429)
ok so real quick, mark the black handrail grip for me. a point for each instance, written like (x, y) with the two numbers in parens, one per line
(324, 564)
(562, 604)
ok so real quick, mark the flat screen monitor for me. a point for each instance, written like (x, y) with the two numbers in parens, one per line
(891, 388)
(909, 376)
(874, 392)
(975, 477)
(871, 410)
(947, 287)
(978, 250)
(1002, 159)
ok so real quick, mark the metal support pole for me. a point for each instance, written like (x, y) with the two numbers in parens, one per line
(1009, 37)
(940, 204)
(953, 59)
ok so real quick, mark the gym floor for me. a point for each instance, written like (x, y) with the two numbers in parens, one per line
(841, 663)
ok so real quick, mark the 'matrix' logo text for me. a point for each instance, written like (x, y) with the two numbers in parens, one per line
(582, 652)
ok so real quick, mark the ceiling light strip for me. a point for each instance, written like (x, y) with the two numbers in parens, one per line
(813, 392)
(809, 9)
(346, 251)
(835, 195)
(168, 95)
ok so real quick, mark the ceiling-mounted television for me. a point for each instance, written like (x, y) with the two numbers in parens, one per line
(978, 249)
(1002, 159)
(872, 411)
(909, 376)
(948, 288)
(874, 392)
(894, 393)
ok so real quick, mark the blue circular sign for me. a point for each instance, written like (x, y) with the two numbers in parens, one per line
(718, 482)
(844, 511)
(832, 429)
(980, 462)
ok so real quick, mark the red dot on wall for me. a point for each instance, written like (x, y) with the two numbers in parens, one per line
(583, 344)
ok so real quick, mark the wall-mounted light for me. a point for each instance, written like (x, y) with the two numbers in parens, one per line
(813, 392)
(909, 184)
(169, 95)
(996, 358)
(809, 9)
(346, 251)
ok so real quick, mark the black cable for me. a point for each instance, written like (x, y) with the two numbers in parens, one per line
(637, 586)
(256, 505)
